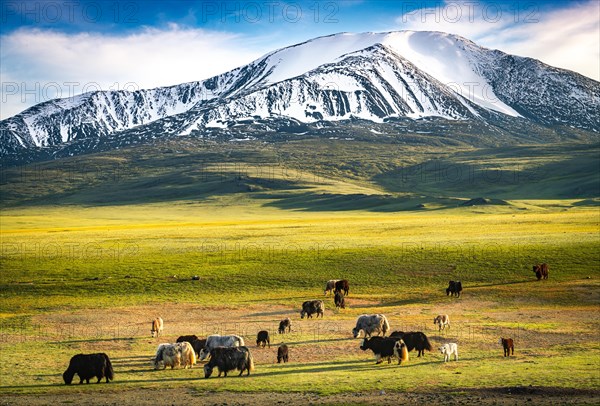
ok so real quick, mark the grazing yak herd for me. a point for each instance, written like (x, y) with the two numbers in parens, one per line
(229, 353)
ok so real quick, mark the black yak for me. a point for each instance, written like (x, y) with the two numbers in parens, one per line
(263, 338)
(342, 286)
(454, 288)
(382, 347)
(228, 359)
(190, 339)
(311, 307)
(285, 324)
(340, 302)
(88, 366)
(414, 340)
(282, 353)
(198, 345)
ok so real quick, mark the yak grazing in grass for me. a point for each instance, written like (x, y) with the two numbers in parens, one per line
(198, 345)
(541, 271)
(414, 340)
(157, 327)
(371, 323)
(228, 359)
(88, 366)
(285, 324)
(508, 345)
(442, 321)
(342, 286)
(167, 355)
(311, 307)
(262, 338)
(382, 347)
(454, 288)
(216, 340)
(330, 285)
(282, 353)
(188, 354)
(174, 355)
(340, 302)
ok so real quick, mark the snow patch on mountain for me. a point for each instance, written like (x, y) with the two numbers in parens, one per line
(451, 60)
(369, 76)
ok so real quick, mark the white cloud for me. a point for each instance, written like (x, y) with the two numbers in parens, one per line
(568, 37)
(38, 65)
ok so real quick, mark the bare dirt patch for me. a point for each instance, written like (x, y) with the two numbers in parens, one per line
(181, 396)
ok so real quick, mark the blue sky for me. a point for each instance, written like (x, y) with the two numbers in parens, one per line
(250, 17)
(60, 48)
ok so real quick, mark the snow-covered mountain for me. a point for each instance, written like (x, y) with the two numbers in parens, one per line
(369, 76)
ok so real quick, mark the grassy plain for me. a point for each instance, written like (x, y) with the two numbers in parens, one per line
(88, 261)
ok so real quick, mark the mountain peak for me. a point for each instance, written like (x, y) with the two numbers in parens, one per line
(371, 76)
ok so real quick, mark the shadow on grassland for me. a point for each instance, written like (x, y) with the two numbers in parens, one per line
(311, 201)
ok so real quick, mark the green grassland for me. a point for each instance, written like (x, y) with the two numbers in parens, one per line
(264, 226)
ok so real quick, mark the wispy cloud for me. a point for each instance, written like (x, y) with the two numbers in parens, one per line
(38, 65)
(567, 37)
